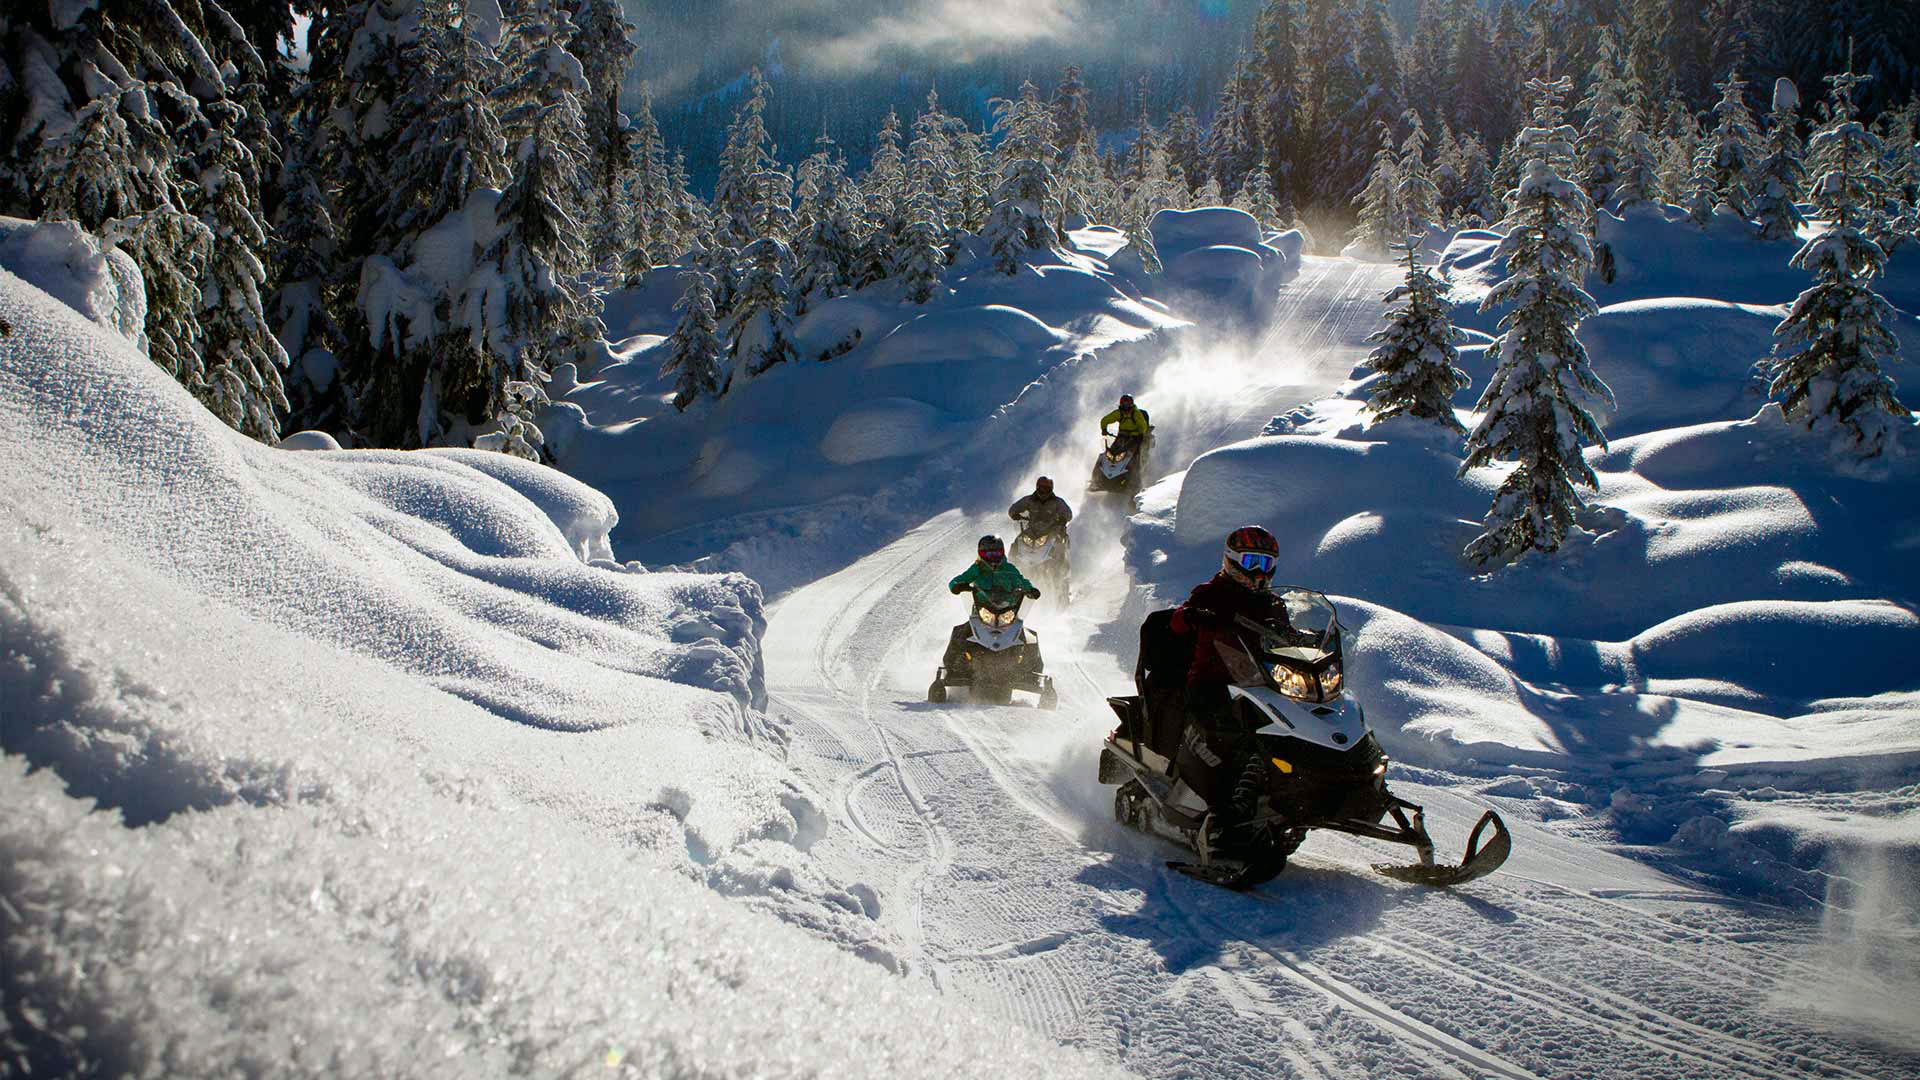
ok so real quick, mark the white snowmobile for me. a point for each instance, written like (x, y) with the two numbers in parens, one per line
(1044, 555)
(1119, 465)
(1317, 765)
(993, 654)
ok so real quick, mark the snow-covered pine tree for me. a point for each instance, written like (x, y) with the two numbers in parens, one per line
(1257, 198)
(1780, 175)
(1479, 202)
(1182, 139)
(448, 141)
(1603, 135)
(1418, 197)
(515, 432)
(1729, 147)
(1639, 180)
(1209, 194)
(305, 249)
(1447, 170)
(822, 252)
(1679, 140)
(1282, 123)
(930, 172)
(242, 358)
(1083, 185)
(1829, 351)
(761, 322)
(603, 43)
(1900, 170)
(973, 176)
(1535, 405)
(1020, 221)
(1382, 219)
(1417, 361)
(1070, 113)
(693, 349)
(748, 154)
(882, 191)
(1698, 198)
(1233, 141)
(653, 236)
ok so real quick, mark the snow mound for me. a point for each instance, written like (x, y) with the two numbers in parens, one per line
(991, 332)
(889, 427)
(94, 279)
(309, 440)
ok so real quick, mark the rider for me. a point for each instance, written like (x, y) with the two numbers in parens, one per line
(1043, 512)
(1215, 750)
(1132, 423)
(991, 572)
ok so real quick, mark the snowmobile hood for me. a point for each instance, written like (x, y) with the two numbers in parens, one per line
(1339, 724)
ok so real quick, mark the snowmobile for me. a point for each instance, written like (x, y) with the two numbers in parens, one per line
(1318, 764)
(1119, 465)
(1044, 555)
(993, 654)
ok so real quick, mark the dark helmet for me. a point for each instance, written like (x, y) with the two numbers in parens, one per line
(1250, 557)
(1126, 402)
(992, 551)
(1043, 486)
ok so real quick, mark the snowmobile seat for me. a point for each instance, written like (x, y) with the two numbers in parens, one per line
(1160, 675)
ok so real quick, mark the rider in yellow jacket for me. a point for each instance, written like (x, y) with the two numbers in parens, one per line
(1130, 420)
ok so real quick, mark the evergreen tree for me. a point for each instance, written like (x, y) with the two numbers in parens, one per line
(1182, 140)
(604, 46)
(242, 358)
(1070, 116)
(822, 252)
(1534, 410)
(1382, 217)
(1419, 199)
(1257, 198)
(1479, 203)
(1830, 350)
(748, 155)
(693, 350)
(1780, 175)
(761, 322)
(1639, 180)
(1729, 147)
(652, 233)
(1233, 140)
(1602, 136)
(883, 191)
(1020, 221)
(1281, 116)
(1418, 364)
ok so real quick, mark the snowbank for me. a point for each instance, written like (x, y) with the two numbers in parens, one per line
(94, 279)
(345, 762)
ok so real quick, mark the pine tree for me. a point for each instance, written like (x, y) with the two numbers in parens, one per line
(822, 252)
(1729, 147)
(1020, 221)
(1382, 218)
(1780, 175)
(693, 350)
(1282, 123)
(761, 322)
(515, 432)
(748, 154)
(604, 46)
(1602, 137)
(1534, 407)
(1070, 114)
(1257, 198)
(1417, 361)
(1829, 351)
(1639, 181)
(1419, 199)
(1479, 202)
(883, 191)
(653, 236)
(242, 357)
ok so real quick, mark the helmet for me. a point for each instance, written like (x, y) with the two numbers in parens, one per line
(1126, 401)
(1250, 557)
(1044, 485)
(992, 551)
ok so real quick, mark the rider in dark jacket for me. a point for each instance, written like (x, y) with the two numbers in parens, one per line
(1215, 750)
(1042, 512)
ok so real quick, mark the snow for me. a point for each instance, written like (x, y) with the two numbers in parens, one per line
(97, 280)
(406, 772)
(357, 767)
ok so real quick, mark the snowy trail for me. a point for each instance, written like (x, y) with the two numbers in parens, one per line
(998, 875)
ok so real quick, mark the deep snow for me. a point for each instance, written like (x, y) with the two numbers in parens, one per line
(408, 773)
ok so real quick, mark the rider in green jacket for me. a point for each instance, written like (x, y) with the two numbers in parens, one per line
(991, 572)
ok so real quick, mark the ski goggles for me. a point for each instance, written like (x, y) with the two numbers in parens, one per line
(1255, 562)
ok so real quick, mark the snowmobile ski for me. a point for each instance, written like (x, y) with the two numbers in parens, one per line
(1477, 863)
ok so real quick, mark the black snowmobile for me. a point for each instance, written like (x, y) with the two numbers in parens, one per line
(1319, 765)
(993, 654)
(1120, 465)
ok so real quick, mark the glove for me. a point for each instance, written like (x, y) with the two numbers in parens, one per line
(956, 589)
(1034, 593)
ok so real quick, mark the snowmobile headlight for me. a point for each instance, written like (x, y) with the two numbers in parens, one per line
(1292, 683)
(996, 619)
(1330, 681)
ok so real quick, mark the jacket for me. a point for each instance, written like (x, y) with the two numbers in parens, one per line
(1137, 424)
(982, 578)
(1208, 614)
(1042, 516)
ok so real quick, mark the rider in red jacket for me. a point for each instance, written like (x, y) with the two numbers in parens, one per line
(1215, 750)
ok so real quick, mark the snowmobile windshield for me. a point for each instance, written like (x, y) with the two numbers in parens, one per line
(1313, 624)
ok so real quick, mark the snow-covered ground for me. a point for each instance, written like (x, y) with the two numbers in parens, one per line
(412, 776)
